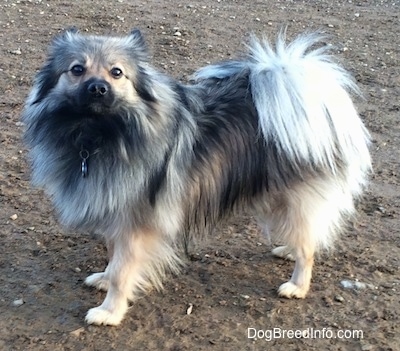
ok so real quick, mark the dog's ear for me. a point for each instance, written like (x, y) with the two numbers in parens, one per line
(62, 37)
(138, 45)
(137, 40)
(48, 75)
(66, 32)
(72, 30)
(137, 36)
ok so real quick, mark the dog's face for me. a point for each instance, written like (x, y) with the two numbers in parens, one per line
(96, 83)
(95, 74)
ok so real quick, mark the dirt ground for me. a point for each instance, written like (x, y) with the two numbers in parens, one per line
(231, 280)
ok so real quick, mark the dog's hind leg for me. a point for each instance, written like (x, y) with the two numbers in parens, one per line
(306, 221)
(301, 248)
(299, 283)
(139, 261)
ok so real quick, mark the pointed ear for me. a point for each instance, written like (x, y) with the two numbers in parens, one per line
(71, 30)
(62, 37)
(68, 31)
(136, 35)
(138, 39)
(138, 44)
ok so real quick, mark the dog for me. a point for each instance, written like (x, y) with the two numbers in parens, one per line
(150, 163)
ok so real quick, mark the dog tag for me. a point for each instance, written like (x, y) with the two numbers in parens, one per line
(84, 168)
(84, 154)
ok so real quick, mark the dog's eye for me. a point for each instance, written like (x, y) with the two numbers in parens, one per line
(78, 70)
(116, 72)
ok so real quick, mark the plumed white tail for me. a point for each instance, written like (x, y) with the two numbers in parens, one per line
(302, 98)
(303, 101)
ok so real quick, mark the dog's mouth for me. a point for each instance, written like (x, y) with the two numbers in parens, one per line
(95, 108)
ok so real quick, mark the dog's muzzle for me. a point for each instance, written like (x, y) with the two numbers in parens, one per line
(96, 95)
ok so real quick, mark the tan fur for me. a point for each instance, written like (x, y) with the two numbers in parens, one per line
(122, 87)
(137, 262)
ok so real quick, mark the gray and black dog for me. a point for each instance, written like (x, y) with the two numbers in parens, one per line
(148, 162)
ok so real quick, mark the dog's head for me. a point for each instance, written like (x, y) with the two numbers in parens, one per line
(95, 73)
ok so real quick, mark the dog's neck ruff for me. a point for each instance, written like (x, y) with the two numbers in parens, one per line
(84, 155)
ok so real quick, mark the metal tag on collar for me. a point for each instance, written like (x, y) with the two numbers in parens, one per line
(84, 154)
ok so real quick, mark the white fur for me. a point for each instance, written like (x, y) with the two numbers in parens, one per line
(283, 252)
(309, 219)
(306, 104)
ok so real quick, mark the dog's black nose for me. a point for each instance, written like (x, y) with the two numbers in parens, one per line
(98, 88)
(96, 95)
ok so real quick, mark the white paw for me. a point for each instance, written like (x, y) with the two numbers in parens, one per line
(98, 280)
(283, 252)
(101, 316)
(290, 289)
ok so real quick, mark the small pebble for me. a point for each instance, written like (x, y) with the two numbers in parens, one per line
(381, 209)
(328, 301)
(339, 298)
(189, 309)
(18, 302)
(349, 284)
(16, 52)
(77, 332)
(14, 217)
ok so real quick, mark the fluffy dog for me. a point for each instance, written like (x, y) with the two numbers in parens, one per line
(149, 162)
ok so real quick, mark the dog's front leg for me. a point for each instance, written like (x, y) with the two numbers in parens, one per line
(139, 261)
(101, 280)
(118, 280)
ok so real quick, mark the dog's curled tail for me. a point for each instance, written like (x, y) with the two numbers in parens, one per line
(303, 102)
